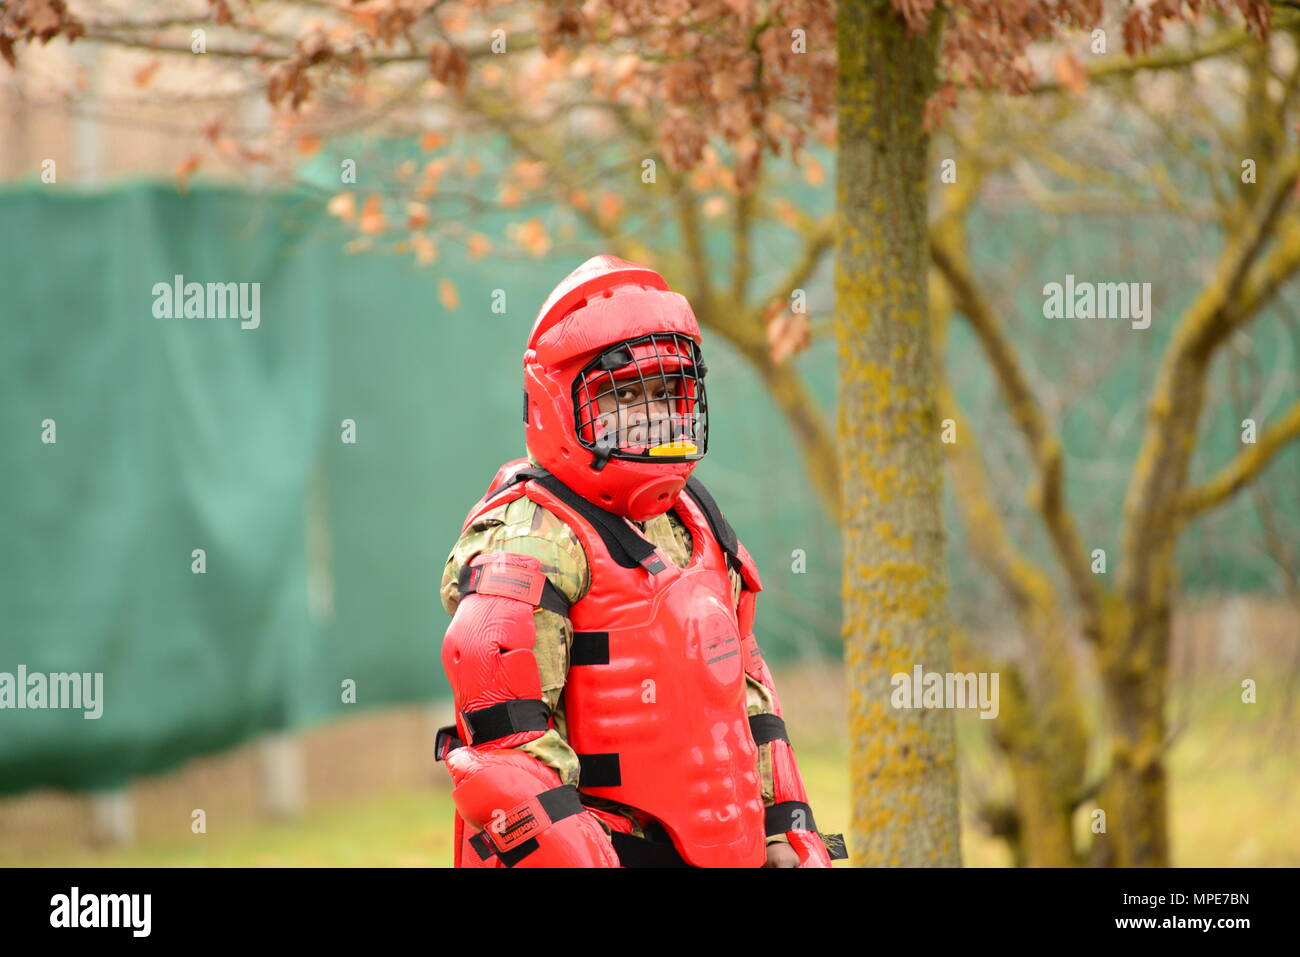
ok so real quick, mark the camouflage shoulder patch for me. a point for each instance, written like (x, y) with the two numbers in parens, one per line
(526, 528)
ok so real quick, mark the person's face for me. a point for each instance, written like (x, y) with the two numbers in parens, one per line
(637, 414)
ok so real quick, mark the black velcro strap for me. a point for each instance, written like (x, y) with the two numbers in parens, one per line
(589, 648)
(835, 844)
(507, 717)
(558, 803)
(722, 530)
(781, 818)
(446, 741)
(599, 771)
(767, 727)
(552, 598)
(516, 854)
(625, 546)
(636, 851)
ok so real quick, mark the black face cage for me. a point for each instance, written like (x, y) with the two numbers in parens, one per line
(688, 416)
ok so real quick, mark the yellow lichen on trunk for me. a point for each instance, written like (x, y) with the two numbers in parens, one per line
(903, 761)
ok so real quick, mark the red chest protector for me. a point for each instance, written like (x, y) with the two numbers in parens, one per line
(655, 701)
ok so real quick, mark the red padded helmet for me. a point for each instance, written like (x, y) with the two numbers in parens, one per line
(608, 329)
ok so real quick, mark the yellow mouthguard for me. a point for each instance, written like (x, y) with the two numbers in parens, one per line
(674, 448)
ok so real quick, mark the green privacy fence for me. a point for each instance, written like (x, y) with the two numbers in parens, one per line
(321, 558)
(171, 435)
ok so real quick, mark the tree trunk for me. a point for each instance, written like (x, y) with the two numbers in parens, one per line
(1044, 745)
(903, 761)
(1135, 672)
(1041, 728)
(1134, 646)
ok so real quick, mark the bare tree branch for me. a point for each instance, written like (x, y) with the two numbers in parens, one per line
(1236, 474)
(1114, 68)
(1044, 446)
(1152, 513)
(819, 240)
(740, 268)
(117, 37)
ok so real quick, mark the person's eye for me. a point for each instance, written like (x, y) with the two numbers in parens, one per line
(626, 395)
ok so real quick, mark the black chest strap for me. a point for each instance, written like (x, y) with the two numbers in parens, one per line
(624, 545)
(722, 530)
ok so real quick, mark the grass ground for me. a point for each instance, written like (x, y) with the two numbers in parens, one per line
(1234, 777)
(1228, 810)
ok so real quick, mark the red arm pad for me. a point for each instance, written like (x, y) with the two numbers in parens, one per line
(787, 785)
(787, 782)
(511, 809)
(487, 650)
(497, 791)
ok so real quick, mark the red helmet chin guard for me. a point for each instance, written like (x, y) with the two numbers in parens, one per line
(608, 302)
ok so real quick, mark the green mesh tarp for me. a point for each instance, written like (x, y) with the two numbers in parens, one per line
(171, 435)
(323, 558)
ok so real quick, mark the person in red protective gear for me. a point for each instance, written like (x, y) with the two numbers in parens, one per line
(662, 743)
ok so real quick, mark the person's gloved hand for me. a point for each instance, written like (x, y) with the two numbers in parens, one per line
(781, 854)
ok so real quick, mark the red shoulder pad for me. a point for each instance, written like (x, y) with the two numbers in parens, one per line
(504, 473)
(508, 575)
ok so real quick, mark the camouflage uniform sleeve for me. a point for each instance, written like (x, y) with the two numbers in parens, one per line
(524, 527)
(760, 702)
